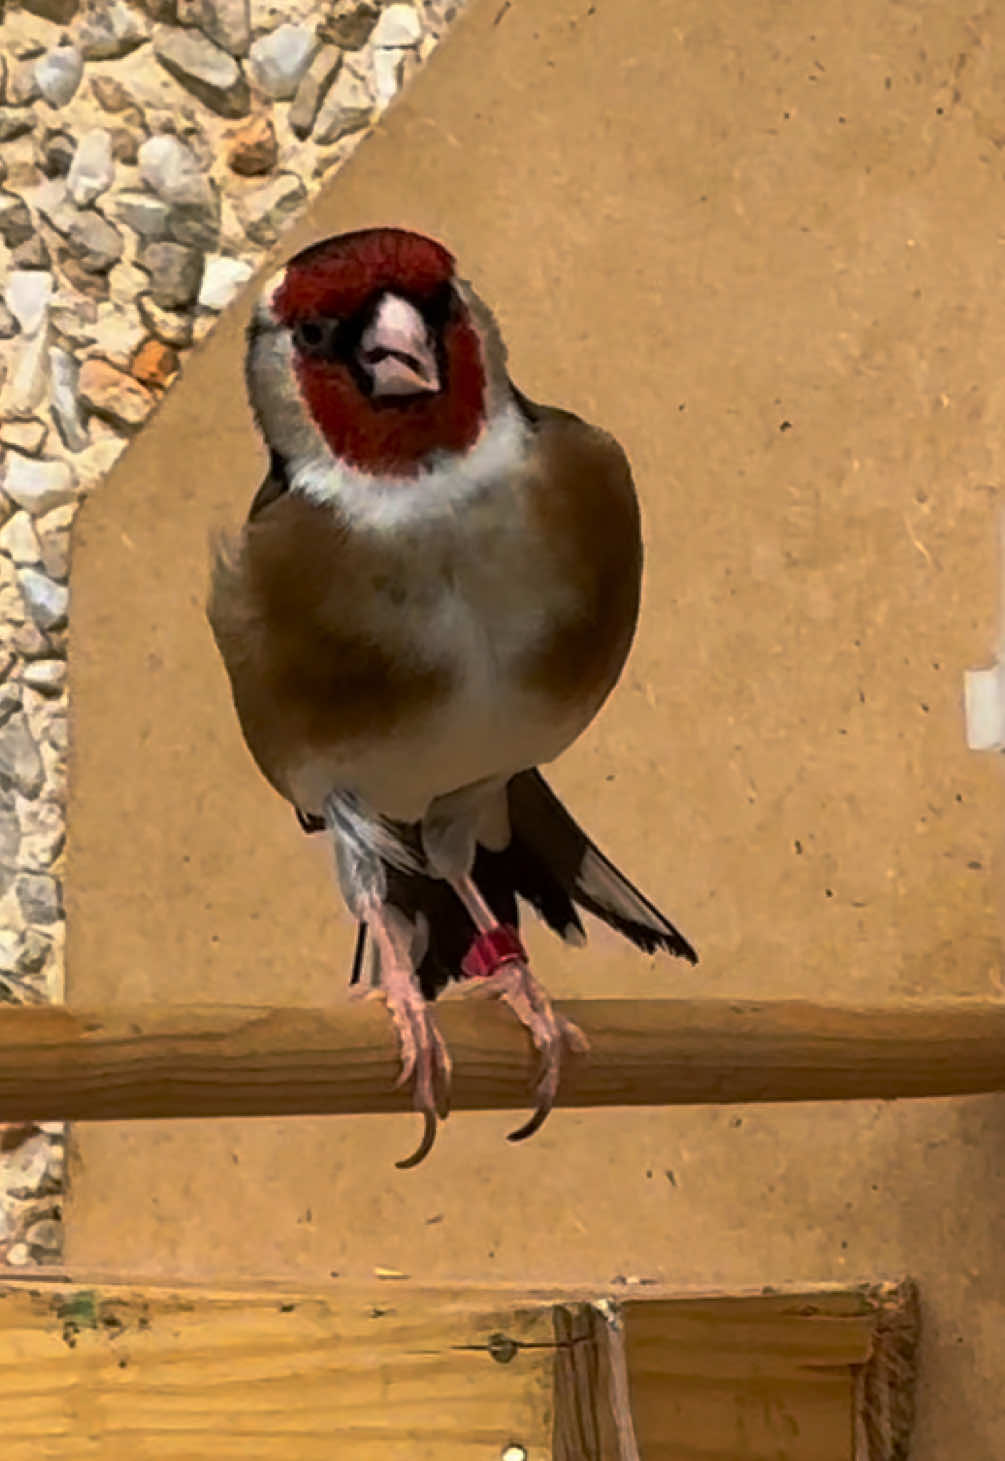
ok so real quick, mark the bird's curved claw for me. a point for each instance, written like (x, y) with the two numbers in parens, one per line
(550, 1031)
(425, 1145)
(425, 1060)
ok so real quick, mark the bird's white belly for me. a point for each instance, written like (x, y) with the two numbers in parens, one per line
(466, 744)
(489, 726)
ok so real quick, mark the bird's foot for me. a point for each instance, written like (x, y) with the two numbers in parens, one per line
(425, 1060)
(551, 1032)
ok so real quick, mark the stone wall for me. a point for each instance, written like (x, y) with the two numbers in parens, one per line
(149, 154)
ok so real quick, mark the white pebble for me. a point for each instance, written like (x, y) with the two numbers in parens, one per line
(92, 170)
(27, 295)
(399, 25)
(221, 280)
(36, 485)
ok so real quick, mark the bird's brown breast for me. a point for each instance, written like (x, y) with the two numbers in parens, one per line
(288, 610)
(481, 645)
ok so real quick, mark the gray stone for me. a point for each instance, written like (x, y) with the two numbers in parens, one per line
(53, 202)
(349, 23)
(265, 212)
(92, 170)
(14, 123)
(172, 171)
(95, 243)
(22, 85)
(47, 602)
(196, 225)
(175, 273)
(63, 372)
(41, 826)
(222, 278)
(144, 214)
(58, 73)
(47, 676)
(10, 835)
(74, 318)
(54, 540)
(15, 220)
(226, 22)
(50, 726)
(18, 540)
(9, 326)
(38, 895)
(20, 763)
(279, 60)
(28, 295)
(399, 25)
(171, 327)
(109, 31)
(45, 1238)
(10, 700)
(313, 89)
(347, 108)
(32, 254)
(29, 641)
(203, 69)
(37, 486)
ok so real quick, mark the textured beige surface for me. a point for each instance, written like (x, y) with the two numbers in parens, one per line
(762, 246)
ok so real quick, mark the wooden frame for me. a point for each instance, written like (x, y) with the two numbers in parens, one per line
(399, 1372)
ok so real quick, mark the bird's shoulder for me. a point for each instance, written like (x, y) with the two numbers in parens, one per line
(584, 504)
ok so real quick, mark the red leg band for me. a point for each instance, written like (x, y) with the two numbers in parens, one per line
(491, 950)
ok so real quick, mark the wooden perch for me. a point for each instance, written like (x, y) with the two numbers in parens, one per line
(191, 1061)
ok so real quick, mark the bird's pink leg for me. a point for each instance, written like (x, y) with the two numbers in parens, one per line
(425, 1059)
(512, 982)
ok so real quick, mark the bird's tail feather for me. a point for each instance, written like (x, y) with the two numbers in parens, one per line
(551, 863)
(546, 837)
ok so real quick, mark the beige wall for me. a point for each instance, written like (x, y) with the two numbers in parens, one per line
(696, 222)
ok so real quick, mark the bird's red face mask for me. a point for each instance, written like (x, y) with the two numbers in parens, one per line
(386, 357)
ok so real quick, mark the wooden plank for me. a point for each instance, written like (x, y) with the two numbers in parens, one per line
(400, 1371)
(202, 1062)
(121, 1373)
(775, 1378)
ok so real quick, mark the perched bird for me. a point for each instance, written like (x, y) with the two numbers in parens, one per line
(434, 593)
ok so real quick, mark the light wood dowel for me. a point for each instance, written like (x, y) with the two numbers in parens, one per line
(239, 1061)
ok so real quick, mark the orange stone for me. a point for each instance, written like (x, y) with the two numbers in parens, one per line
(113, 395)
(154, 363)
(253, 148)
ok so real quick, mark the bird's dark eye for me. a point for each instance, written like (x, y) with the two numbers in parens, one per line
(312, 336)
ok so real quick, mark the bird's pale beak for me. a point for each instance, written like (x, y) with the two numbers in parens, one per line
(396, 351)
